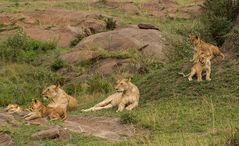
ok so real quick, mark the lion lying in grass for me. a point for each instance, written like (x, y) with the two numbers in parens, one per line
(127, 96)
(203, 47)
(41, 111)
(59, 97)
(203, 64)
(13, 108)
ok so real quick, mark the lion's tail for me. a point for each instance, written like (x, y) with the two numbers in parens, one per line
(181, 73)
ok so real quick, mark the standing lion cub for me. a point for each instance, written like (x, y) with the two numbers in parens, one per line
(127, 96)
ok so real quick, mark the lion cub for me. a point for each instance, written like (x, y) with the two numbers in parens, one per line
(41, 111)
(59, 97)
(127, 96)
(203, 47)
(203, 64)
(13, 108)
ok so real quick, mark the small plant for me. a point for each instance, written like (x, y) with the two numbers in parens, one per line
(21, 48)
(98, 84)
(110, 23)
(74, 42)
(104, 2)
(128, 118)
(57, 64)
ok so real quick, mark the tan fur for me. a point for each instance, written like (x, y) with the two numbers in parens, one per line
(12, 108)
(59, 97)
(127, 96)
(203, 47)
(203, 64)
(41, 111)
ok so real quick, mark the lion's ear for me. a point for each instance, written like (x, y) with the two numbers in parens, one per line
(58, 85)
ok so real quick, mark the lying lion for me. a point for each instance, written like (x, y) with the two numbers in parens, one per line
(13, 108)
(59, 97)
(127, 96)
(203, 64)
(42, 111)
(203, 47)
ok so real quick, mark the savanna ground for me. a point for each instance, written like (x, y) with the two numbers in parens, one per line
(174, 110)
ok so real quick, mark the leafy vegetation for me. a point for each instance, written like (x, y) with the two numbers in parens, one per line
(21, 48)
(219, 17)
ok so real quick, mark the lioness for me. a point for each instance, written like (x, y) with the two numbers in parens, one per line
(203, 64)
(59, 97)
(127, 96)
(203, 47)
(12, 108)
(41, 111)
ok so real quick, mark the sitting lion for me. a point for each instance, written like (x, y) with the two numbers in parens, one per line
(127, 96)
(41, 111)
(203, 47)
(59, 97)
(13, 108)
(203, 64)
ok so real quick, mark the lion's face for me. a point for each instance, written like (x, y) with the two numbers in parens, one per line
(122, 85)
(194, 39)
(36, 104)
(11, 107)
(50, 92)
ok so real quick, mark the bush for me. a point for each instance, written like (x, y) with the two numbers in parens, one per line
(128, 118)
(99, 84)
(219, 17)
(57, 64)
(20, 48)
(76, 40)
(110, 23)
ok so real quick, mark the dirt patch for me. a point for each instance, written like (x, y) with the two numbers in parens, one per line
(104, 127)
(5, 139)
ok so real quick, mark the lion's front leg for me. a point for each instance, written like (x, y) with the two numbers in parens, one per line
(121, 107)
(33, 116)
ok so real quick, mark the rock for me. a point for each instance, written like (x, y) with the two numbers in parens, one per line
(107, 66)
(103, 127)
(6, 118)
(147, 26)
(5, 139)
(61, 36)
(127, 38)
(77, 56)
(52, 133)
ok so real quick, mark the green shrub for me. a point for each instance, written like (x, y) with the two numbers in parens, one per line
(110, 23)
(57, 64)
(219, 17)
(20, 48)
(76, 40)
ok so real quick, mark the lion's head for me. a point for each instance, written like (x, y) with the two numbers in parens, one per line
(51, 91)
(203, 58)
(36, 104)
(12, 107)
(122, 85)
(194, 39)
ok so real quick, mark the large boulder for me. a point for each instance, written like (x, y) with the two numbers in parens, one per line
(148, 41)
(127, 6)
